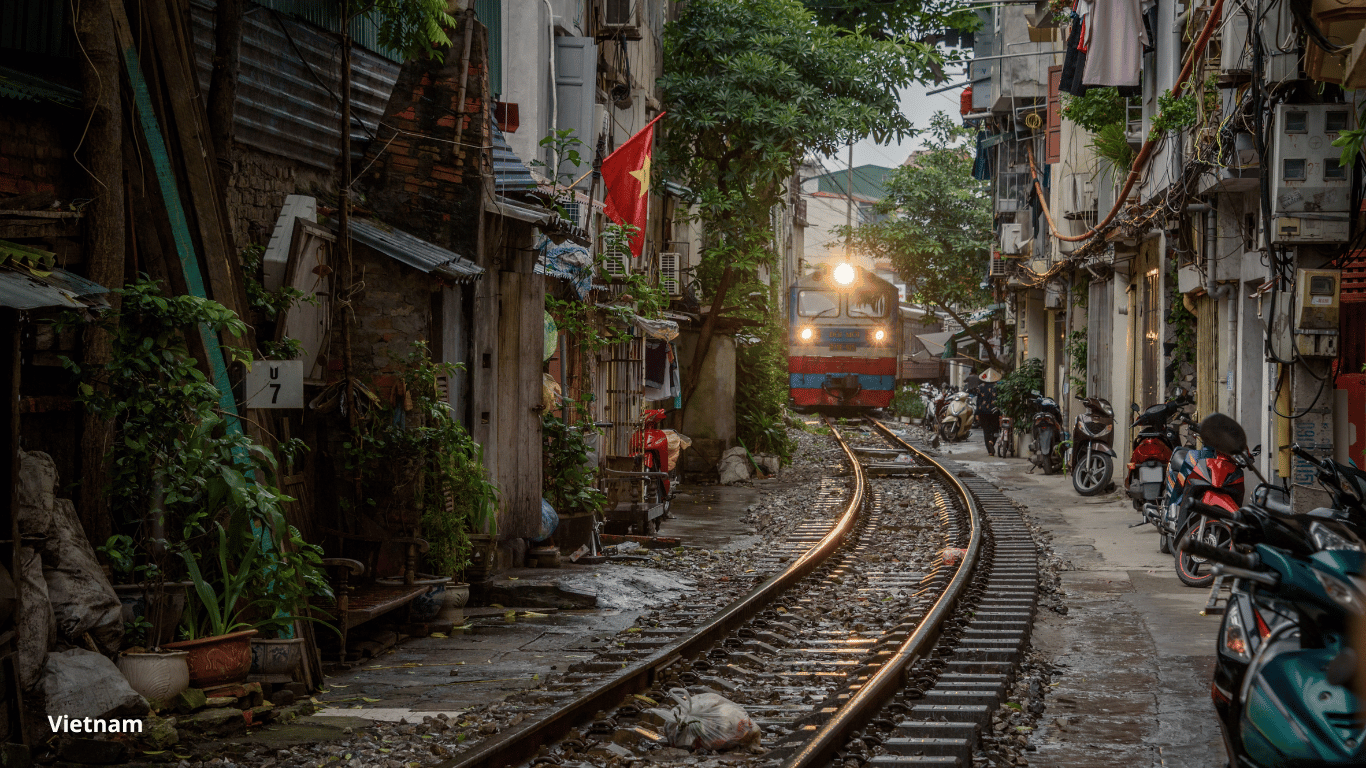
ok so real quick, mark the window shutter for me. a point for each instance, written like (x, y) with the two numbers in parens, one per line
(490, 14)
(576, 83)
(1053, 142)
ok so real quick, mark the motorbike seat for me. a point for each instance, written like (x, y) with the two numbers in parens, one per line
(1179, 456)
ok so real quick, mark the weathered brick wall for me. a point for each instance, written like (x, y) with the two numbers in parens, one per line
(34, 159)
(257, 186)
(392, 312)
(423, 181)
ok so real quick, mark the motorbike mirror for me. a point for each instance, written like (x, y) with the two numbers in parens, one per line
(1256, 450)
(1133, 407)
(1223, 434)
(1035, 393)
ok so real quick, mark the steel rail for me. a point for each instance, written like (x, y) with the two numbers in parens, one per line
(872, 695)
(524, 741)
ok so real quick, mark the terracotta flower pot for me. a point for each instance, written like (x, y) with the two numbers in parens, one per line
(218, 660)
(276, 657)
(156, 675)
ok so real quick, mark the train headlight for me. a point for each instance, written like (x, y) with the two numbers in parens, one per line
(879, 335)
(807, 333)
(844, 274)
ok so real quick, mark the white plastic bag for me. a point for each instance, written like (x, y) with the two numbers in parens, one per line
(706, 721)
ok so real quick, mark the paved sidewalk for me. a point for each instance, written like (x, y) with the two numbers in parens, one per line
(1137, 655)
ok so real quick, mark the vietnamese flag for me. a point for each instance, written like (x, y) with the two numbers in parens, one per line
(626, 176)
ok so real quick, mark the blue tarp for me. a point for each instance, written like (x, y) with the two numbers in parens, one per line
(566, 261)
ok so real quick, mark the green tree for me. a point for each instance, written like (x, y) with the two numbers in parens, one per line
(938, 227)
(918, 19)
(751, 87)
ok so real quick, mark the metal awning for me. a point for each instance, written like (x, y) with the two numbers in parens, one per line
(25, 87)
(935, 343)
(23, 289)
(510, 174)
(415, 252)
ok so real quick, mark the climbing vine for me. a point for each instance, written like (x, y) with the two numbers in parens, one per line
(1182, 323)
(1076, 353)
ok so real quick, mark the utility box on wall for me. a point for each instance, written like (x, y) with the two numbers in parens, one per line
(1317, 299)
(1310, 188)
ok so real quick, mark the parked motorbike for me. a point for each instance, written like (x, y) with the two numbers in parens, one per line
(1045, 431)
(1158, 434)
(1196, 479)
(956, 420)
(1253, 615)
(1005, 439)
(1284, 665)
(1090, 455)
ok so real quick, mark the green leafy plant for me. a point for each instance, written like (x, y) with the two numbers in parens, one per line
(1182, 323)
(175, 468)
(267, 305)
(908, 402)
(1013, 391)
(427, 454)
(1350, 140)
(571, 480)
(1173, 113)
(1111, 143)
(1098, 108)
(1076, 353)
(218, 612)
(761, 380)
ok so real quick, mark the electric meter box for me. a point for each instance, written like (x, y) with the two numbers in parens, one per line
(1311, 189)
(1317, 298)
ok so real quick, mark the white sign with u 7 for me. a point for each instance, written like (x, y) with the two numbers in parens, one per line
(276, 384)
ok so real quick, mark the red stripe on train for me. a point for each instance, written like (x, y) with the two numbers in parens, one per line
(869, 398)
(872, 366)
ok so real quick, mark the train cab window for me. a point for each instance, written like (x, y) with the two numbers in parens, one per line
(817, 304)
(868, 303)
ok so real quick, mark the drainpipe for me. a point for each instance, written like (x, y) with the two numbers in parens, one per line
(464, 78)
(554, 107)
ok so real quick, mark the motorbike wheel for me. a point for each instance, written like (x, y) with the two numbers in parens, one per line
(1164, 544)
(1091, 474)
(1046, 451)
(947, 431)
(1195, 571)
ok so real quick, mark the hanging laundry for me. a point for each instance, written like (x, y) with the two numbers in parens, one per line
(1074, 61)
(1114, 54)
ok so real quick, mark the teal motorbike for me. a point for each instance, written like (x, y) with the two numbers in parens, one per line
(1284, 679)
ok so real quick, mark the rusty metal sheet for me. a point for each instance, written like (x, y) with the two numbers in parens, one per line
(287, 95)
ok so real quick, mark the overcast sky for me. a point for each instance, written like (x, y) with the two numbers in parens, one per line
(919, 108)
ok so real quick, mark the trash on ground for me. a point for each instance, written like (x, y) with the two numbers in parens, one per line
(706, 721)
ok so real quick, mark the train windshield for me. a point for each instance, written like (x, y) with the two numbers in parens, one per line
(817, 304)
(870, 302)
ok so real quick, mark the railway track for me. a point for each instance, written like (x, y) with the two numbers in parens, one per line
(887, 633)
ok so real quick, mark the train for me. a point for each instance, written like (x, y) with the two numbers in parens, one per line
(844, 339)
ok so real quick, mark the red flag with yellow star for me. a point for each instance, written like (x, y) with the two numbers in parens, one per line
(626, 176)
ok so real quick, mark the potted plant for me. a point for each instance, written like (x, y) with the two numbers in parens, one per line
(218, 636)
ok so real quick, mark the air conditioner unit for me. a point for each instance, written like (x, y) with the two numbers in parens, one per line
(616, 263)
(1079, 202)
(670, 264)
(620, 19)
(573, 213)
(1011, 235)
(997, 266)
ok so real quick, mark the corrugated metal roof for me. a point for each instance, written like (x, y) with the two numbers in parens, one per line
(364, 28)
(510, 174)
(18, 85)
(415, 252)
(282, 108)
(21, 289)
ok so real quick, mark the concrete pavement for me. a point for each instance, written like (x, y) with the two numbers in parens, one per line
(1137, 655)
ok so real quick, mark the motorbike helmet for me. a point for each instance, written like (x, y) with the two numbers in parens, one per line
(1222, 433)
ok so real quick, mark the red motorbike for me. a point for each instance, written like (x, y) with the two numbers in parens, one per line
(650, 442)
(1214, 478)
(1158, 434)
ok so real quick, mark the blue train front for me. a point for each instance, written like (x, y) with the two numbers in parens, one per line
(843, 338)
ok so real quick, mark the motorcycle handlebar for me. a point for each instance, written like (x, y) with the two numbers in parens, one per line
(1307, 456)
(1221, 555)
